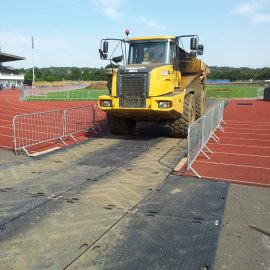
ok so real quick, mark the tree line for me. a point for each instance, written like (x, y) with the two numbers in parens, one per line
(64, 73)
(98, 74)
(242, 73)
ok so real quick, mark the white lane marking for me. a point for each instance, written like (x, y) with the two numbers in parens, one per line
(237, 145)
(246, 139)
(237, 154)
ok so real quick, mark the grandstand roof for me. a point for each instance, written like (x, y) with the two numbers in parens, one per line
(4, 57)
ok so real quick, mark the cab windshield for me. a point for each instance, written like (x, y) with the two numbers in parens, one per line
(148, 52)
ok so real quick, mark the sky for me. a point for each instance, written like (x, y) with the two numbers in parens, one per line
(234, 33)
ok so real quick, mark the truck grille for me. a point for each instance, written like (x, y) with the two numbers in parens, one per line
(133, 90)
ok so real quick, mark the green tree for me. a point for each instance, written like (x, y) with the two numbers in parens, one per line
(76, 74)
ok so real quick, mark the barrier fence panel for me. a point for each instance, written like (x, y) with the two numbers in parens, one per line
(222, 114)
(61, 92)
(222, 110)
(78, 120)
(195, 140)
(208, 126)
(260, 93)
(216, 117)
(100, 119)
(35, 128)
(201, 131)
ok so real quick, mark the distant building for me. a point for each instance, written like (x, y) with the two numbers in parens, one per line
(9, 78)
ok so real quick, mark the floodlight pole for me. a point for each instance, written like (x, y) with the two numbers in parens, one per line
(33, 80)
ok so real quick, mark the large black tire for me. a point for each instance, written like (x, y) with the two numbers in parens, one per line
(200, 104)
(179, 127)
(120, 126)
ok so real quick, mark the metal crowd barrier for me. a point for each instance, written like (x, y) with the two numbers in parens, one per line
(42, 127)
(201, 131)
(260, 93)
(32, 91)
(36, 128)
(78, 119)
(100, 119)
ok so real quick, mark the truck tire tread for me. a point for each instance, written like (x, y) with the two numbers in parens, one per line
(200, 104)
(179, 126)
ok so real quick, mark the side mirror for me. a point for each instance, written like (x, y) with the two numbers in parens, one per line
(193, 44)
(117, 59)
(102, 54)
(200, 49)
(105, 46)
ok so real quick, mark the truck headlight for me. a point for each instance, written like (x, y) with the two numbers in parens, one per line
(164, 104)
(105, 103)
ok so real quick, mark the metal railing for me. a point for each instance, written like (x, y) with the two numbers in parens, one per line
(44, 91)
(37, 128)
(100, 119)
(260, 93)
(78, 119)
(201, 131)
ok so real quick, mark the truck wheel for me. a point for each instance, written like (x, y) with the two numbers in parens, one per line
(200, 104)
(120, 126)
(179, 126)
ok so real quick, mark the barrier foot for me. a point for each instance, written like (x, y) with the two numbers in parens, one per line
(205, 155)
(215, 138)
(195, 173)
(73, 138)
(24, 149)
(62, 141)
(93, 129)
(221, 128)
(208, 150)
(224, 122)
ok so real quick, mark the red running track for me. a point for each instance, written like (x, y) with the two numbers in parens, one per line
(11, 106)
(243, 153)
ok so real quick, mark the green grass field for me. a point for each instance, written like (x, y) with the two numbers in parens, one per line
(82, 94)
(232, 91)
(212, 91)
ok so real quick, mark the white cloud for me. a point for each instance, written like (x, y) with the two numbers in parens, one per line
(148, 22)
(110, 8)
(247, 8)
(261, 18)
(257, 11)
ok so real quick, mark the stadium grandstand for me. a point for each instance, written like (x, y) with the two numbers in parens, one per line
(9, 78)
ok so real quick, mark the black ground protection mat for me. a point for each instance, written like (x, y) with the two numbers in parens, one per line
(52, 235)
(115, 155)
(187, 198)
(29, 194)
(14, 204)
(177, 227)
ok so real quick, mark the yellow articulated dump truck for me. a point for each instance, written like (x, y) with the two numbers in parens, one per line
(154, 79)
